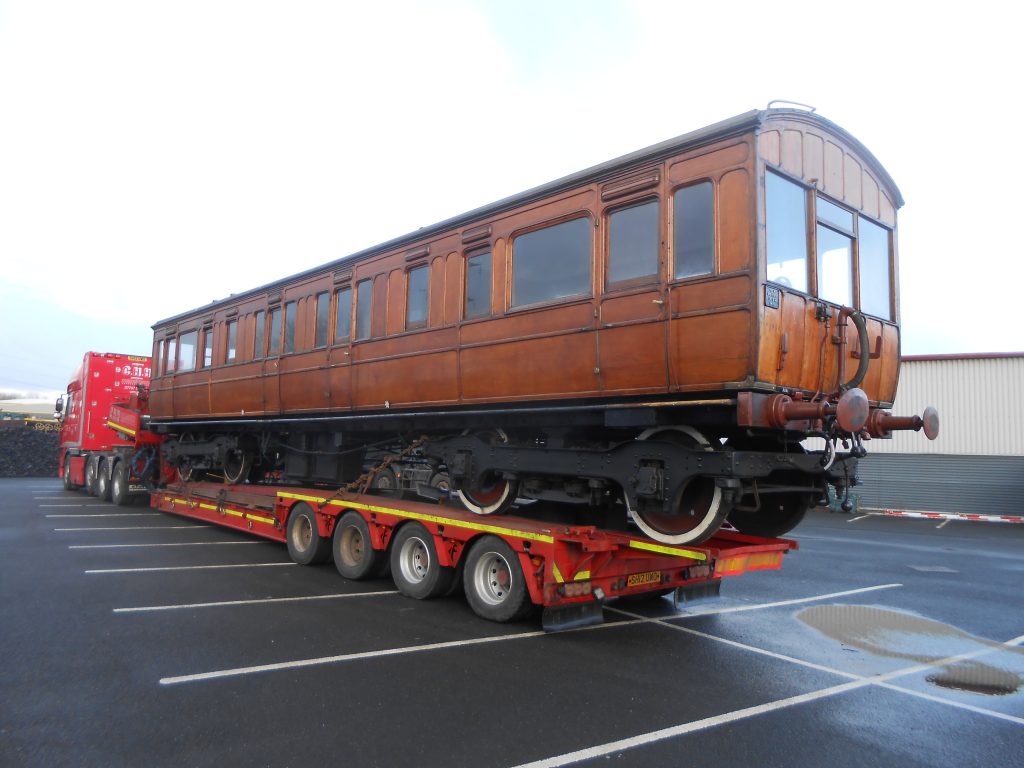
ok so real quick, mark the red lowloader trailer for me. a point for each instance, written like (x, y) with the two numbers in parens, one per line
(103, 447)
(508, 565)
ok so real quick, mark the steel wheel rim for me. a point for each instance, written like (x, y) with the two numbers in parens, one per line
(350, 548)
(303, 533)
(116, 483)
(414, 560)
(492, 578)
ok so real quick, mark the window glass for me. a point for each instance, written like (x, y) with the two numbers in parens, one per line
(633, 240)
(364, 294)
(478, 285)
(274, 342)
(172, 355)
(207, 347)
(259, 337)
(874, 269)
(343, 324)
(323, 311)
(835, 251)
(834, 215)
(289, 327)
(232, 341)
(416, 297)
(786, 221)
(551, 263)
(187, 351)
(158, 359)
(694, 227)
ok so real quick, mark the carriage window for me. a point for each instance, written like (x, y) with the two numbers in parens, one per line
(633, 240)
(343, 323)
(416, 297)
(478, 285)
(232, 341)
(364, 294)
(187, 351)
(172, 355)
(274, 342)
(873, 246)
(835, 266)
(693, 214)
(323, 311)
(207, 347)
(551, 263)
(289, 327)
(158, 359)
(786, 220)
(259, 336)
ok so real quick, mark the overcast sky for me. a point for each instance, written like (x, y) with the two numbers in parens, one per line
(155, 156)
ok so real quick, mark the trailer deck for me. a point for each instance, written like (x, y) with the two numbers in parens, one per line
(567, 570)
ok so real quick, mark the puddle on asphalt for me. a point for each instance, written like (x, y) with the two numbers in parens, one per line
(897, 635)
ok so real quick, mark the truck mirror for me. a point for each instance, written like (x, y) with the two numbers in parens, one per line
(58, 409)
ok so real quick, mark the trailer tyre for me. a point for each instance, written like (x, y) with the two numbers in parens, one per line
(352, 547)
(414, 565)
(305, 544)
(103, 481)
(119, 484)
(495, 585)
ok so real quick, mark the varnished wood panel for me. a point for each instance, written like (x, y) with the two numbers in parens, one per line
(736, 222)
(710, 294)
(554, 366)
(382, 382)
(707, 349)
(632, 358)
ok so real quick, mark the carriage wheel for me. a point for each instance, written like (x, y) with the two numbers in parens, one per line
(493, 494)
(696, 511)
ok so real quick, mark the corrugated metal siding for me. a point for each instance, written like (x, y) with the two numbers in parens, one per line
(987, 485)
(979, 402)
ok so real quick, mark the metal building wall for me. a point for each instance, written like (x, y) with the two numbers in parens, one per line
(980, 402)
(976, 465)
(983, 485)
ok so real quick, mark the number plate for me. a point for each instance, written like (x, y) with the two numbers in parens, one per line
(772, 296)
(639, 579)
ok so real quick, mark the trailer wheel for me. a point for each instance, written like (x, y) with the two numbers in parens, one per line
(414, 565)
(119, 484)
(90, 475)
(305, 544)
(103, 481)
(494, 581)
(354, 555)
(68, 485)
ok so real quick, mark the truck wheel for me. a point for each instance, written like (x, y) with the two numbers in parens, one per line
(305, 544)
(119, 484)
(414, 565)
(68, 485)
(90, 475)
(494, 581)
(103, 481)
(354, 555)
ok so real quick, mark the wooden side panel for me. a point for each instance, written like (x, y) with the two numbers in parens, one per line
(551, 366)
(736, 221)
(708, 349)
(237, 389)
(425, 380)
(304, 382)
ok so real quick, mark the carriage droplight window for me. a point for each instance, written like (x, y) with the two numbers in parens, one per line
(416, 299)
(187, 351)
(364, 294)
(323, 310)
(633, 239)
(786, 222)
(478, 285)
(693, 217)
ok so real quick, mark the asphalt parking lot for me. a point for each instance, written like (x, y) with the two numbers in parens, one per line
(132, 637)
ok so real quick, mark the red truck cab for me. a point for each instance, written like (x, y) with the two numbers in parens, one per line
(91, 442)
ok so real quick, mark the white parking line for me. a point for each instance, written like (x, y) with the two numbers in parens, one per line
(49, 506)
(178, 544)
(187, 568)
(299, 663)
(224, 603)
(632, 742)
(113, 514)
(141, 528)
(797, 601)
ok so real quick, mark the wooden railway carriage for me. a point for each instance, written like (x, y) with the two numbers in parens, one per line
(650, 338)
